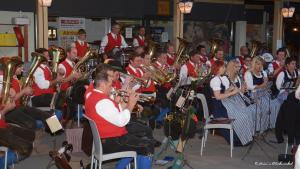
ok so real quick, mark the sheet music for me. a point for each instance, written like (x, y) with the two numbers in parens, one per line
(54, 124)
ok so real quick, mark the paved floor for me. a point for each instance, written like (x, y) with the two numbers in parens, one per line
(216, 155)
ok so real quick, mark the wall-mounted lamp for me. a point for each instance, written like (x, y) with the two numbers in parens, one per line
(288, 11)
(45, 3)
(185, 6)
(52, 33)
(295, 29)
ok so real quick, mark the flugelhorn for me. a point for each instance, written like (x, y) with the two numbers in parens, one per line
(142, 97)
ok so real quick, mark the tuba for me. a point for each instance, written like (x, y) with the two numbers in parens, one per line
(152, 46)
(183, 43)
(38, 58)
(215, 44)
(9, 63)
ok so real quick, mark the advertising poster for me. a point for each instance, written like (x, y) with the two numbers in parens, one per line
(67, 30)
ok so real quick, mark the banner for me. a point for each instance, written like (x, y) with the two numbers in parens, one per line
(8, 39)
(67, 30)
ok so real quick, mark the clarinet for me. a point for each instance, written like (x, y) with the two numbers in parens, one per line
(245, 99)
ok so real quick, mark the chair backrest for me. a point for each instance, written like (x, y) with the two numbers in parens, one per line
(204, 105)
(97, 147)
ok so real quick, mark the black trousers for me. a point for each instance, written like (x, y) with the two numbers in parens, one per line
(162, 99)
(127, 142)
(26, 116)
(43, 100)
(18, 139)
(138, 129)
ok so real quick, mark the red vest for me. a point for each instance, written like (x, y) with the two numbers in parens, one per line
(105, 128)
(151, 88)
(212, 62)
(171, 60)
(16, 86)
(69, 70)
(38, 91)
(191, 70)
(138, 74)
(112, 43)
(140, 41)
(81, 50)
(275, 67)
(3, 124)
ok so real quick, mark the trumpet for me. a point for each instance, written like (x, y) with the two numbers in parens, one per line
(142, 97)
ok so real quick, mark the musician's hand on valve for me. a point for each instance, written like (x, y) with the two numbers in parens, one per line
(77, 75)
(132, 100)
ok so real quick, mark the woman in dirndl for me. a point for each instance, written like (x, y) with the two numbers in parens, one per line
(238, 106)
(222, 90)
(257, 83)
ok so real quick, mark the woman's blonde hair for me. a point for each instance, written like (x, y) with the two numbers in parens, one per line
(255, 60)
(230, 69)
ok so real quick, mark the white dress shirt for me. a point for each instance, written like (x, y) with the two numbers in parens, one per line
(62, 67)
(215, 83)
(136, 42)
(105, 41)
(107, 110)
(184, 79)
(249, 79)
(39, 77)
(209, 64)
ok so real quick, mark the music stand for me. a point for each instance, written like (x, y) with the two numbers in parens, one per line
(257, 137)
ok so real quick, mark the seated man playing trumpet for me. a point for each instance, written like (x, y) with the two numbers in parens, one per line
(111, 120)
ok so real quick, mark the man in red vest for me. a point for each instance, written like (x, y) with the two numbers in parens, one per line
(113, 40)
(171, 56)
(24, 116)
(139, 40)
(80, 44)
(111, 120)
(65, 69)
(203, 54)
(218, 56)
(134, 69)
(189, 71)
(244, 51)
(277, 65)
(43, 84)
